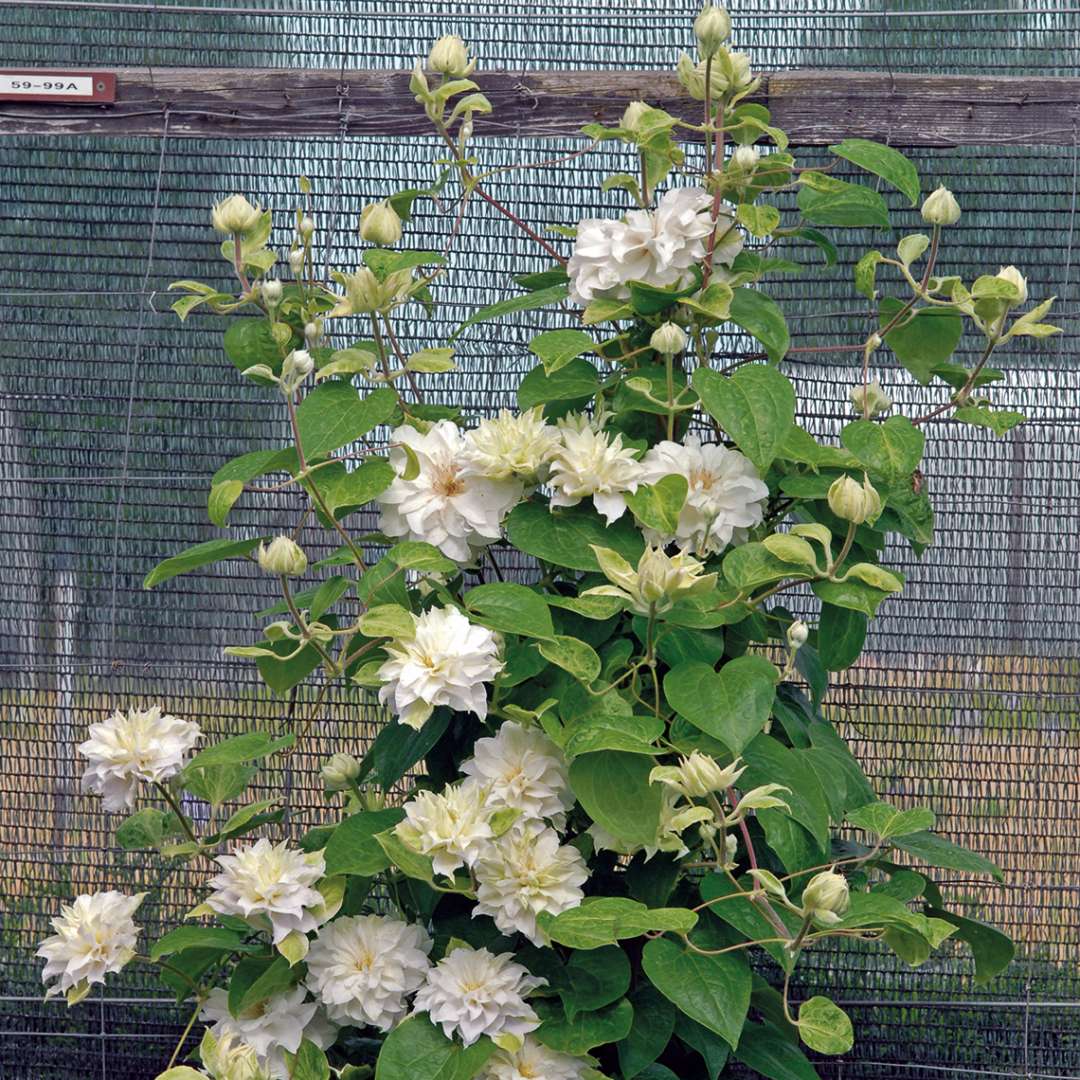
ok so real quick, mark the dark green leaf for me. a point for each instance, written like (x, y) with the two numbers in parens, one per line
(256, 978)
(587, 1029)
(755, 406)
(892, 449)
(760, 316)
(353, 849)
(924, 342)
(566, 537)
(847, 205)
(882, 161)
(334, 415)
(654, 1023)
(510, 609)
(992, 950)
(418, 1050)
(528, 302)
(202, 937)
(937, 851)
(200, 555)
(841, 634)
(576, 381)
(764, 1049)
(614, 789)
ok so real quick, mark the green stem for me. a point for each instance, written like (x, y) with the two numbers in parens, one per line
(185, 824)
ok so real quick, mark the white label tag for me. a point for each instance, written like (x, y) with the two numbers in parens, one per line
(45, 85)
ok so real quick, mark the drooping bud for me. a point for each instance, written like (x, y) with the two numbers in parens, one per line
(632, 115)
(669, 338)
(379, 224)
(712, 28)
(826, 897)
(1014, 277)
(854, 502)
(295, 368)
(282, 557)
(797, 634)
(450, 57)
(235, 215)
(870, 400)
(941, 207)
(271, 291)
(746, 158)
(340, 771)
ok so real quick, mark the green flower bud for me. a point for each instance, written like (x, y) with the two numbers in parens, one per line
(668, 338)
(379, 224)
(712, 28)
(306, 227)
(295, 368)
(870, 400)
(632, 115)
(282, 557)
(235, 215)
(746, 158)
(797, 634)
(339, 772)
(296, 261)
(1014, 277)
(854, 502)
(450, 57)
(826, 897)
(941, 208)
(271, 291)
(313, 332)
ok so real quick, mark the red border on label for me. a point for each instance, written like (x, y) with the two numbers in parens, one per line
(103, 89)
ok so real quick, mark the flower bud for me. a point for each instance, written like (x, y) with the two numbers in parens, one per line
(826, 897)
(870, 400)
(295, 368)
(306, 227)
(854, 502)
(745, 158)
(313, 332)
(797, 634)
(296, 261)
(697, 775)
(271, 291)
(340, 771)
(379, 224)
(363, 293)
(450, 57)
(235, 215)
(1014, 277)
(632, 115)
(738, 73)
(941, 208)
(712, 28)
(668, 339)
(282, 557)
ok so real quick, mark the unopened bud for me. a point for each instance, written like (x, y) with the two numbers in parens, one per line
(870, 400)
(745, 158)
(235, 215)
(379, 224)
(295, 368)
(797, 634)
(271, 291)
(668, 339)
(854, 502)
(282, 557)
(339, 772)
(313, 332)
(712, 28)
(306, 227)
(296, 261)
(1014, 277)
(632, 115)
(941, 208)
(450, 57)
(826, 897)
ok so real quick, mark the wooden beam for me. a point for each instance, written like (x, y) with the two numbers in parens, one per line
(814, 107)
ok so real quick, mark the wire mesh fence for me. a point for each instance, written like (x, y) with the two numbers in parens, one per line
(113, 418)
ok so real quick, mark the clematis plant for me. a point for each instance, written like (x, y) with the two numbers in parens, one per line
(607, 814)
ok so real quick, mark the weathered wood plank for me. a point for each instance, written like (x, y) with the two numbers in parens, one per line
(814, 107)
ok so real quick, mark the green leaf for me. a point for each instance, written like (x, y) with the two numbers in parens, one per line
(648, 299)
(760, 316)
(851, 594)
(411, 863)
(999, 421)
(200, 555)
(422, 557)
(658, 506)
(218, 784)
(308, 1063)
(882, 161)
(594, 979)
(556, 348)
(731, 705)
(599, 730)
(257, 978)
(925, 341)
(222, 498)
(825, 1027)
(755, 406)
(251, 746)
(758, 219)
(843, 204)
(605, 920)
(352, 847)
(344, 490)
(747, 917)
(282, 675)
(770, 762)
(143, 829)
(841, 634)
(614, 789)
(748, 566)
(713, 990)
(573, 655)
(248, 341)
(937, 851)
(713, 1050)
(200, 937)
(334, 415)
(586, 1030)
(528, 302)
(181, 1072)
(766, 1050)
(892, 449)
(866, 274)
(566, 537)
(886, 821)
(388, 620)
(418, 1050)
(992, 950)
(574, 382)
(510, 609)
(654, 1023)
(397, 747)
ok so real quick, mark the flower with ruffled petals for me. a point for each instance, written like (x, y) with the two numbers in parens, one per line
(363, 967)
(274, 882)
(452, 828)
(525, 872)
(523, 770)
(473, 992)
(697, 775)
(448, 503)
(593, 463)
(446, 662)
(141, 744)
(512, 446)
(95, 936)
(725, 498)
(534, 1061)
(228, 1058)
(659, 582)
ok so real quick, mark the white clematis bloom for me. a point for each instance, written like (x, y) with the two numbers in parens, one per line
(273, 882)
(592, 463)
(659, 582)
(449, 503)
(473, 992)
(534, 1061)
(139, 745)
(525, 872)
(362, 968)
(658, 247)
(228, 1058)
(95, 936)
(513, 446)
(523, 770)
(270, 1028)
(726, 497)
(698, 775)
(446, 662)
(452, 828)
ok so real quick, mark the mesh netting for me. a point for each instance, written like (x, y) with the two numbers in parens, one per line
(113, 417)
